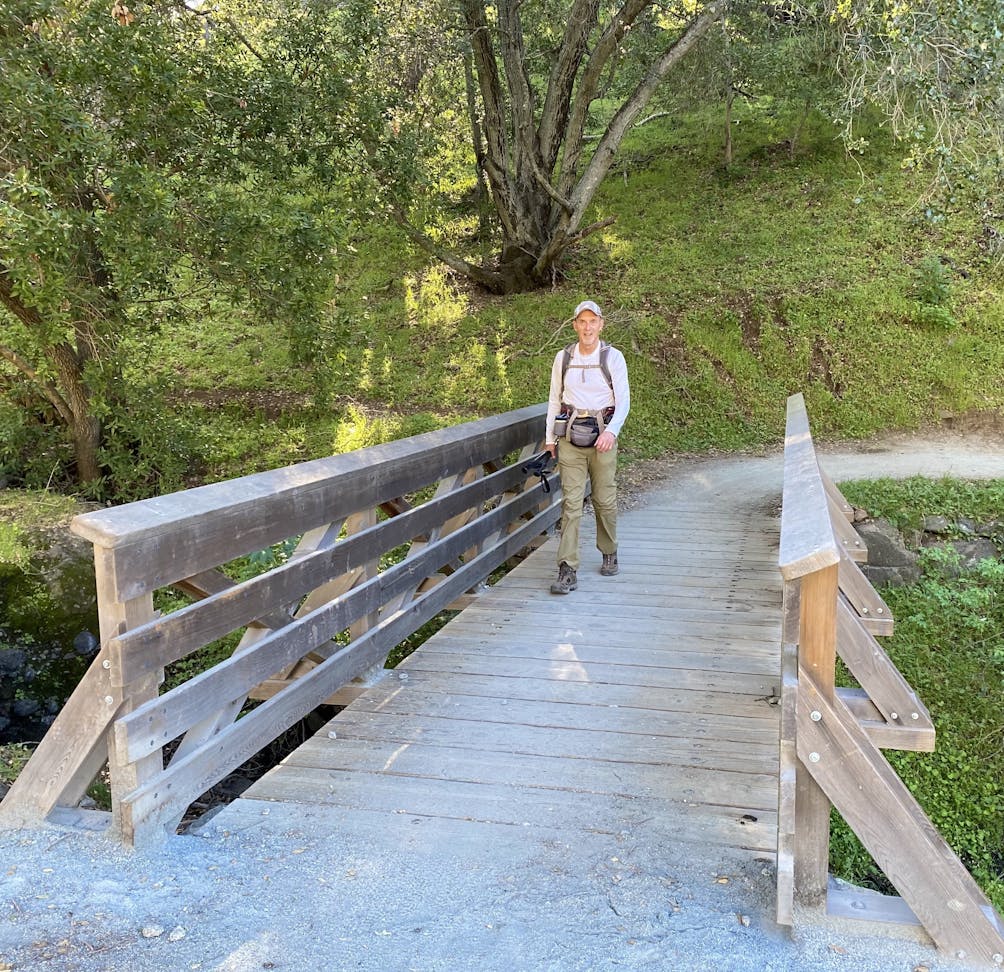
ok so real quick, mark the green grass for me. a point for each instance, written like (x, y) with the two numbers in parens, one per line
(949, 645)
(727, 290)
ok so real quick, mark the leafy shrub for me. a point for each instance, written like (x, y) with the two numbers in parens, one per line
(932, 284)
(949, 629)
(932, 289)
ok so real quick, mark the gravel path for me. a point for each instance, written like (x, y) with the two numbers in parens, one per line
(293, 890)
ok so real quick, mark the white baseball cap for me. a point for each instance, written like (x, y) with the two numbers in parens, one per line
(588, 305)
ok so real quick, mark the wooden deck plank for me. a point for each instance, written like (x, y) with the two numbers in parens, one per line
(485, 639)
(747, 828)
(666, 677)
(566, 743)
(694, 784)
(647, 699)
(714, 663)
(745, 733)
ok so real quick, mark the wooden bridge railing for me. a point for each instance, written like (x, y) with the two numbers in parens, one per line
(336, 584)
(831, 738)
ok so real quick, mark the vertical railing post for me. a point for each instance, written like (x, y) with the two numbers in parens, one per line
(817, 651)
(116, 617)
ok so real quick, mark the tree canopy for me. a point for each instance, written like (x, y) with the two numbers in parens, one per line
(165, 160)
(148, 168)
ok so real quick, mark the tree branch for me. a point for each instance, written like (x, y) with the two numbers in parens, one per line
(495, 126)
(607, 44)
(557, 102)
(565, 232)
(631, 108)
(210, 16)
(491, 281)
(45, 388)
(22, 311)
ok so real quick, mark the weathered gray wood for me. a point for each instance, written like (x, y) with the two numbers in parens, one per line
(807, 541)
(787, 775)
(152, 804)
(884, 735)
(737, 685)
(837, 500)
(563, 741)
(713, 665)
(162, 719)
(627, 608)
(74, 746)
(756, 737)
(162, 540)
(521, 805)
(847, 537)
(171, 638)
(872, 611)
(817, 654)
(479, 636)
(695, 784)
(893, 828)
(115, 616)
(868, 662)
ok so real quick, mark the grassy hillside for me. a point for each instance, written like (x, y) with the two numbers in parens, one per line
(726, 289)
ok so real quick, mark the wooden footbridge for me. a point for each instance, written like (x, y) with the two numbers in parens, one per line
(695, 691)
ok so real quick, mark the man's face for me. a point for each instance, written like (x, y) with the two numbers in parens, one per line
(588, 326)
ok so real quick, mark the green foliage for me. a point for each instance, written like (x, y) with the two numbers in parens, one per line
(136, 186)
(932, 290)
(906, 502)
(949, 629)
(932, 282)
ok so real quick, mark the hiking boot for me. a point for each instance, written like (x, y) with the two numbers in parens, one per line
(566, 582)
(609, 567)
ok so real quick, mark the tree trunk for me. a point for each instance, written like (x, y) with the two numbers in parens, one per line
(531, 158)
(84, 426)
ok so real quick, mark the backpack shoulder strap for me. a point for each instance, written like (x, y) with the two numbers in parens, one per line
(604, 354)
(566, 360)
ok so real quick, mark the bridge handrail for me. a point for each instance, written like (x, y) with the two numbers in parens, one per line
(831, 738)
(338, 583)
(167, 538)
(807, 541)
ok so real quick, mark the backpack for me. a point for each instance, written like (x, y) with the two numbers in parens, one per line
(567, 360)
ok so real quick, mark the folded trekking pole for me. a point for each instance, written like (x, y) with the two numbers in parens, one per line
(540, 465)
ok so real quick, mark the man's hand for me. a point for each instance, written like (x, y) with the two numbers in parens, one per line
(606, 441)
(552, 448)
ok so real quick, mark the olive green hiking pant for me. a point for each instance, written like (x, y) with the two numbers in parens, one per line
(576, 466)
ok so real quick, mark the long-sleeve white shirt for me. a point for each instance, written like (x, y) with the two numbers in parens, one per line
(586, 388)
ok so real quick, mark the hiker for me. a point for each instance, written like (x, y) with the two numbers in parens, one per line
(587, 406)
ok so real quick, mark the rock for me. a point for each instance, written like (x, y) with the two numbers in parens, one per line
(994, 528)
(973, 551)
(860, 515)
(892, 576)
(176, 934)
(85, 644)
(11, 661)
(936, 524)
(24, 708)
(885, 544)
(152, 931)
(966, 526)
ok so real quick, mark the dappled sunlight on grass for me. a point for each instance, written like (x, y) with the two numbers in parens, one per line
(432, 303)
(617, 246)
